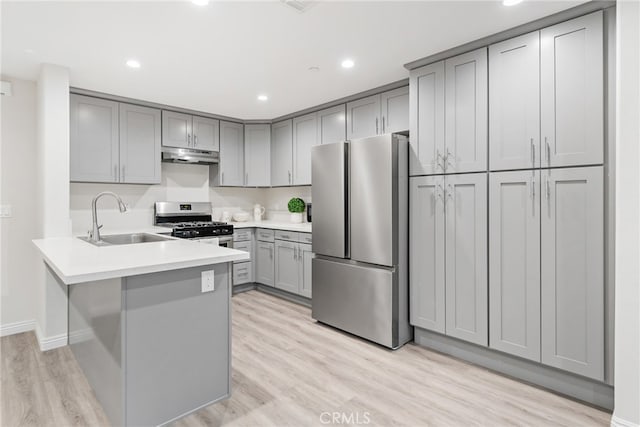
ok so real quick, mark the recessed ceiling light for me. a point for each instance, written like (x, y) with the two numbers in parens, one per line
(314, 68)
(511, 2)
(348, 63)
(29, 51)
(263, 98)
(200, 2)
(133, 63)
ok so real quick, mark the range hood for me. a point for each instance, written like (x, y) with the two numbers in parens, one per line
(187, 155)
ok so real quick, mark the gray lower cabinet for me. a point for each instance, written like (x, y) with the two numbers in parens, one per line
(114, 142)
(573, 270)
(94, 139)
(230, 170)
(140, 142)
(257, 155)
(514, 263)
(287, 268)
(243, 270)
(282, 153)
(293, 266)
(265, 263)
(466, 260)
(426, 253)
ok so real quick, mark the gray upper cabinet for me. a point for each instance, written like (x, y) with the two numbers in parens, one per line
(466, 257)
(286, 266)
(395, 110)
(305, 256)
(426, 254)
(466, 112)
(573, 270)
(304, 137)
(332, 125)
(257, 155)
(282, 153)
(265, 263)
(514, 107)
(514, 263)
(176, 129)
(94, 139)
(363, 117)
(140, 142)
(426, 120)
(572, 102)
(206, 133)
(231, 166)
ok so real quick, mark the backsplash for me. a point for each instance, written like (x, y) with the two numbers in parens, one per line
(179, 183)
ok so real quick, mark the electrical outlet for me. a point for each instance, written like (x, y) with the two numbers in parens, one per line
(208, 284)
(5, 211)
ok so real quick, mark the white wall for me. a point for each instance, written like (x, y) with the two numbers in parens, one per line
(276, 199)
(627, 316)
(18, 189)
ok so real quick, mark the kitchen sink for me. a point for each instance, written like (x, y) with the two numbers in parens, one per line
(126, 239)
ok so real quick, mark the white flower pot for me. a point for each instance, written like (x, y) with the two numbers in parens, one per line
(296, 218)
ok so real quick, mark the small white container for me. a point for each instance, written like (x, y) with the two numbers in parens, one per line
(296, 217)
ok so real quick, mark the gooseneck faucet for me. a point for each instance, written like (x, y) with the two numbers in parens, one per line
(94, 235)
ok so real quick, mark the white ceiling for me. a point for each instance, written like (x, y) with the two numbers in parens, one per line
(218, 58)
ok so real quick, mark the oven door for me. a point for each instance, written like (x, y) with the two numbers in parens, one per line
(226, 241)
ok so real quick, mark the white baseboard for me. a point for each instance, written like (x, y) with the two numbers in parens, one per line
(17, 327)
(49, 343)
(619, 422)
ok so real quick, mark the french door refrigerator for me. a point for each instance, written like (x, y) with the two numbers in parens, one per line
(360, 238)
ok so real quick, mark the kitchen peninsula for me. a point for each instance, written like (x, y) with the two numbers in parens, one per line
(149, 323)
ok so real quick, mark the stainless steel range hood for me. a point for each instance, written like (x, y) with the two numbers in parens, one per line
(187, 155)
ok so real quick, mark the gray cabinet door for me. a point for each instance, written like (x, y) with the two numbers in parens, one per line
(426, 120)
(231, 167)
(466, 257)
(140, 144)
(426, 253)
(305, 255)
(363, 117)
(257, 155)
(571, 81)
(304, 137)
(514, 109)
(94, 139)
(466, 118)
(514, 263)
(573, 270)
(395, 110)
(206, 133)
(287, 269)
(332, 125)
(176, 129)
(282, 153)
(265, 263)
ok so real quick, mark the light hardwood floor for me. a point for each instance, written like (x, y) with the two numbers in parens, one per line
(290, 371)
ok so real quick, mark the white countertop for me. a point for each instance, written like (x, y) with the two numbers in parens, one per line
(304, 227)
(77, 261)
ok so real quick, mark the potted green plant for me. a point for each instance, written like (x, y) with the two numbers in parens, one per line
(296, 206)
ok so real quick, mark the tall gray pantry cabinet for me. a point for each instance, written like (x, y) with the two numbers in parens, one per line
(535, 205)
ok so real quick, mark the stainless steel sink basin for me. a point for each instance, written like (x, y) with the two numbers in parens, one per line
(126, 239)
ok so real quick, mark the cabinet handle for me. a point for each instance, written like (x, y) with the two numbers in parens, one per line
(548, 189)
(533, 153)
(188, 139)
(377, 126)
(221, 178)
(438, 157)
(122, 173)
(533, 186)
(383, 124)
(246, 178)
(446, 159)
(289, 176)
(195, 140)
(441, 193)
(548, 147)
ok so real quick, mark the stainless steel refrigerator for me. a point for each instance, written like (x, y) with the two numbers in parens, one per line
(360, 238)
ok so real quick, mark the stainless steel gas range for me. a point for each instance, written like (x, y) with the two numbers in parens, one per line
(192, 221)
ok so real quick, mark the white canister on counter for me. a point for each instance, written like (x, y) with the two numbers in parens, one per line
(258, 212)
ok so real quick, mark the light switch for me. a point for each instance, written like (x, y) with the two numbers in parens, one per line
(207, 281)
(5, 211)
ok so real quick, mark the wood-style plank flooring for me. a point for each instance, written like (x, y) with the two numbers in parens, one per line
(290, 371)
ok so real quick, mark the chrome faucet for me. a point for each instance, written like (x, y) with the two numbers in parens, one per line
(94, 235)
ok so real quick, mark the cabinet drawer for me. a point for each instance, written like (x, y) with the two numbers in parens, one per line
(304, 237)
(265, 235)
(242, 273)
(244, 246)
(240, 235)
(287, 235)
